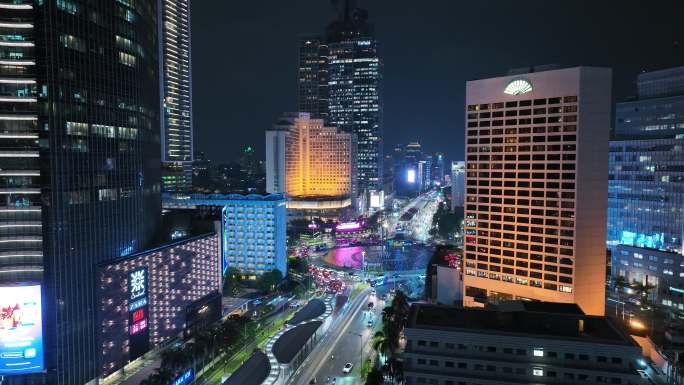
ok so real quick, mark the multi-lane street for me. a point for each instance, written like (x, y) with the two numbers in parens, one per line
(342, 344)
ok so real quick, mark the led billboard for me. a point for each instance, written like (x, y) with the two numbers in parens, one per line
(21, 330)
(411, 175)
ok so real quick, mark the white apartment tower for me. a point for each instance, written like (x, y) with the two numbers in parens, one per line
(176, 93)
(536, 187)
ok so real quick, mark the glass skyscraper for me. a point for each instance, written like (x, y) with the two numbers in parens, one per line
(79, 124)
(646, 188)
(176, 91)
(646, 185)
(340, 75)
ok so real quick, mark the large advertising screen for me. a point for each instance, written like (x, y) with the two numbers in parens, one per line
(21, 330)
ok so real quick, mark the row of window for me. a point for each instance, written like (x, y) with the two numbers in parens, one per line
(522, 103)
(522, 157)
(522, 112)
(474, 131)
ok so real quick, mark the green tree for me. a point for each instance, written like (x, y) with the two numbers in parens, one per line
(232, 282)
(268, 281)
(374, 377)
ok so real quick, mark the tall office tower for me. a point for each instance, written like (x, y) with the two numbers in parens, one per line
(311, 163)
(457, 185)
(536, 155)
(339, 75)
(176, 90)
(438, 168)
(645, 195)
(79, 118)
(407, 169)
(313, 77)
(427, 176)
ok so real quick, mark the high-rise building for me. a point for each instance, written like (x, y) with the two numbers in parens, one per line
(201, 170)
(457, 185)
(79, 111)
(645, 194)
(313, 77)
(176, 92)
(428, 176)
(340, 81)
(536, 155)
(408, 180)
(311, 163)
(438, 169)
(253, 233)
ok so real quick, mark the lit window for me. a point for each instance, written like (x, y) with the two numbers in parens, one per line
(538, 352)
(537, 371)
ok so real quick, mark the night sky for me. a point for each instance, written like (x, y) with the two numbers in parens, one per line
(245, 58)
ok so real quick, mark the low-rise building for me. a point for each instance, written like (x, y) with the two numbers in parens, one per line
(147, 298)
(520, 342)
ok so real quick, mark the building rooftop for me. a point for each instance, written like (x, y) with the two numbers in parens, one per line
(528, 319)
(292, 341)
(253, 372)
(311, 310)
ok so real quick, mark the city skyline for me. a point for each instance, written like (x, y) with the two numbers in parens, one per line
(426, 177)
(413, 38)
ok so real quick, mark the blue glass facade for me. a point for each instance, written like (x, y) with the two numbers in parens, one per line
(646, 193)
(646, 186)
(79, 124)
(253, 233)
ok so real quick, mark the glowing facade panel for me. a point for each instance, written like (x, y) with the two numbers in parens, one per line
(149, 292)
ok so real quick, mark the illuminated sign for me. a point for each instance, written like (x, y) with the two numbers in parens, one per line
(411, 176)
(184, 378)
(348, 226)
(137, 304)
(21, 330)
(137, 283)
(138, 326)
(138, 317)
(518, 87)
(377, 199)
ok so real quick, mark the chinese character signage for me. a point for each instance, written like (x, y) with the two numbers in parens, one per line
(21, 330)
(138, 309)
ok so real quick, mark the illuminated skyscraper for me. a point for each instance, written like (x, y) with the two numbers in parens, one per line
(438, 168)
(313, 77)
(340, 81)
(79, 119)
(176, 91)
(311, 163)
(457, 185)
(536, 155)
(645, 195)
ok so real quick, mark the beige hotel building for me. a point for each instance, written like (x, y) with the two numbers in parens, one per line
(312, 163)
(536, 187)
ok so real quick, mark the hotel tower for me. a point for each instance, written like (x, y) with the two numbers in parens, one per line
(536, 185)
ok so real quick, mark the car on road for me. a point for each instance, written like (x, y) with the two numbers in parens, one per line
(370, 305)
(370, 323)
(347, 367)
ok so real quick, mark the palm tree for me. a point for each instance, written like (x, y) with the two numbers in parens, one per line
(384, 345)
(620, 284)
